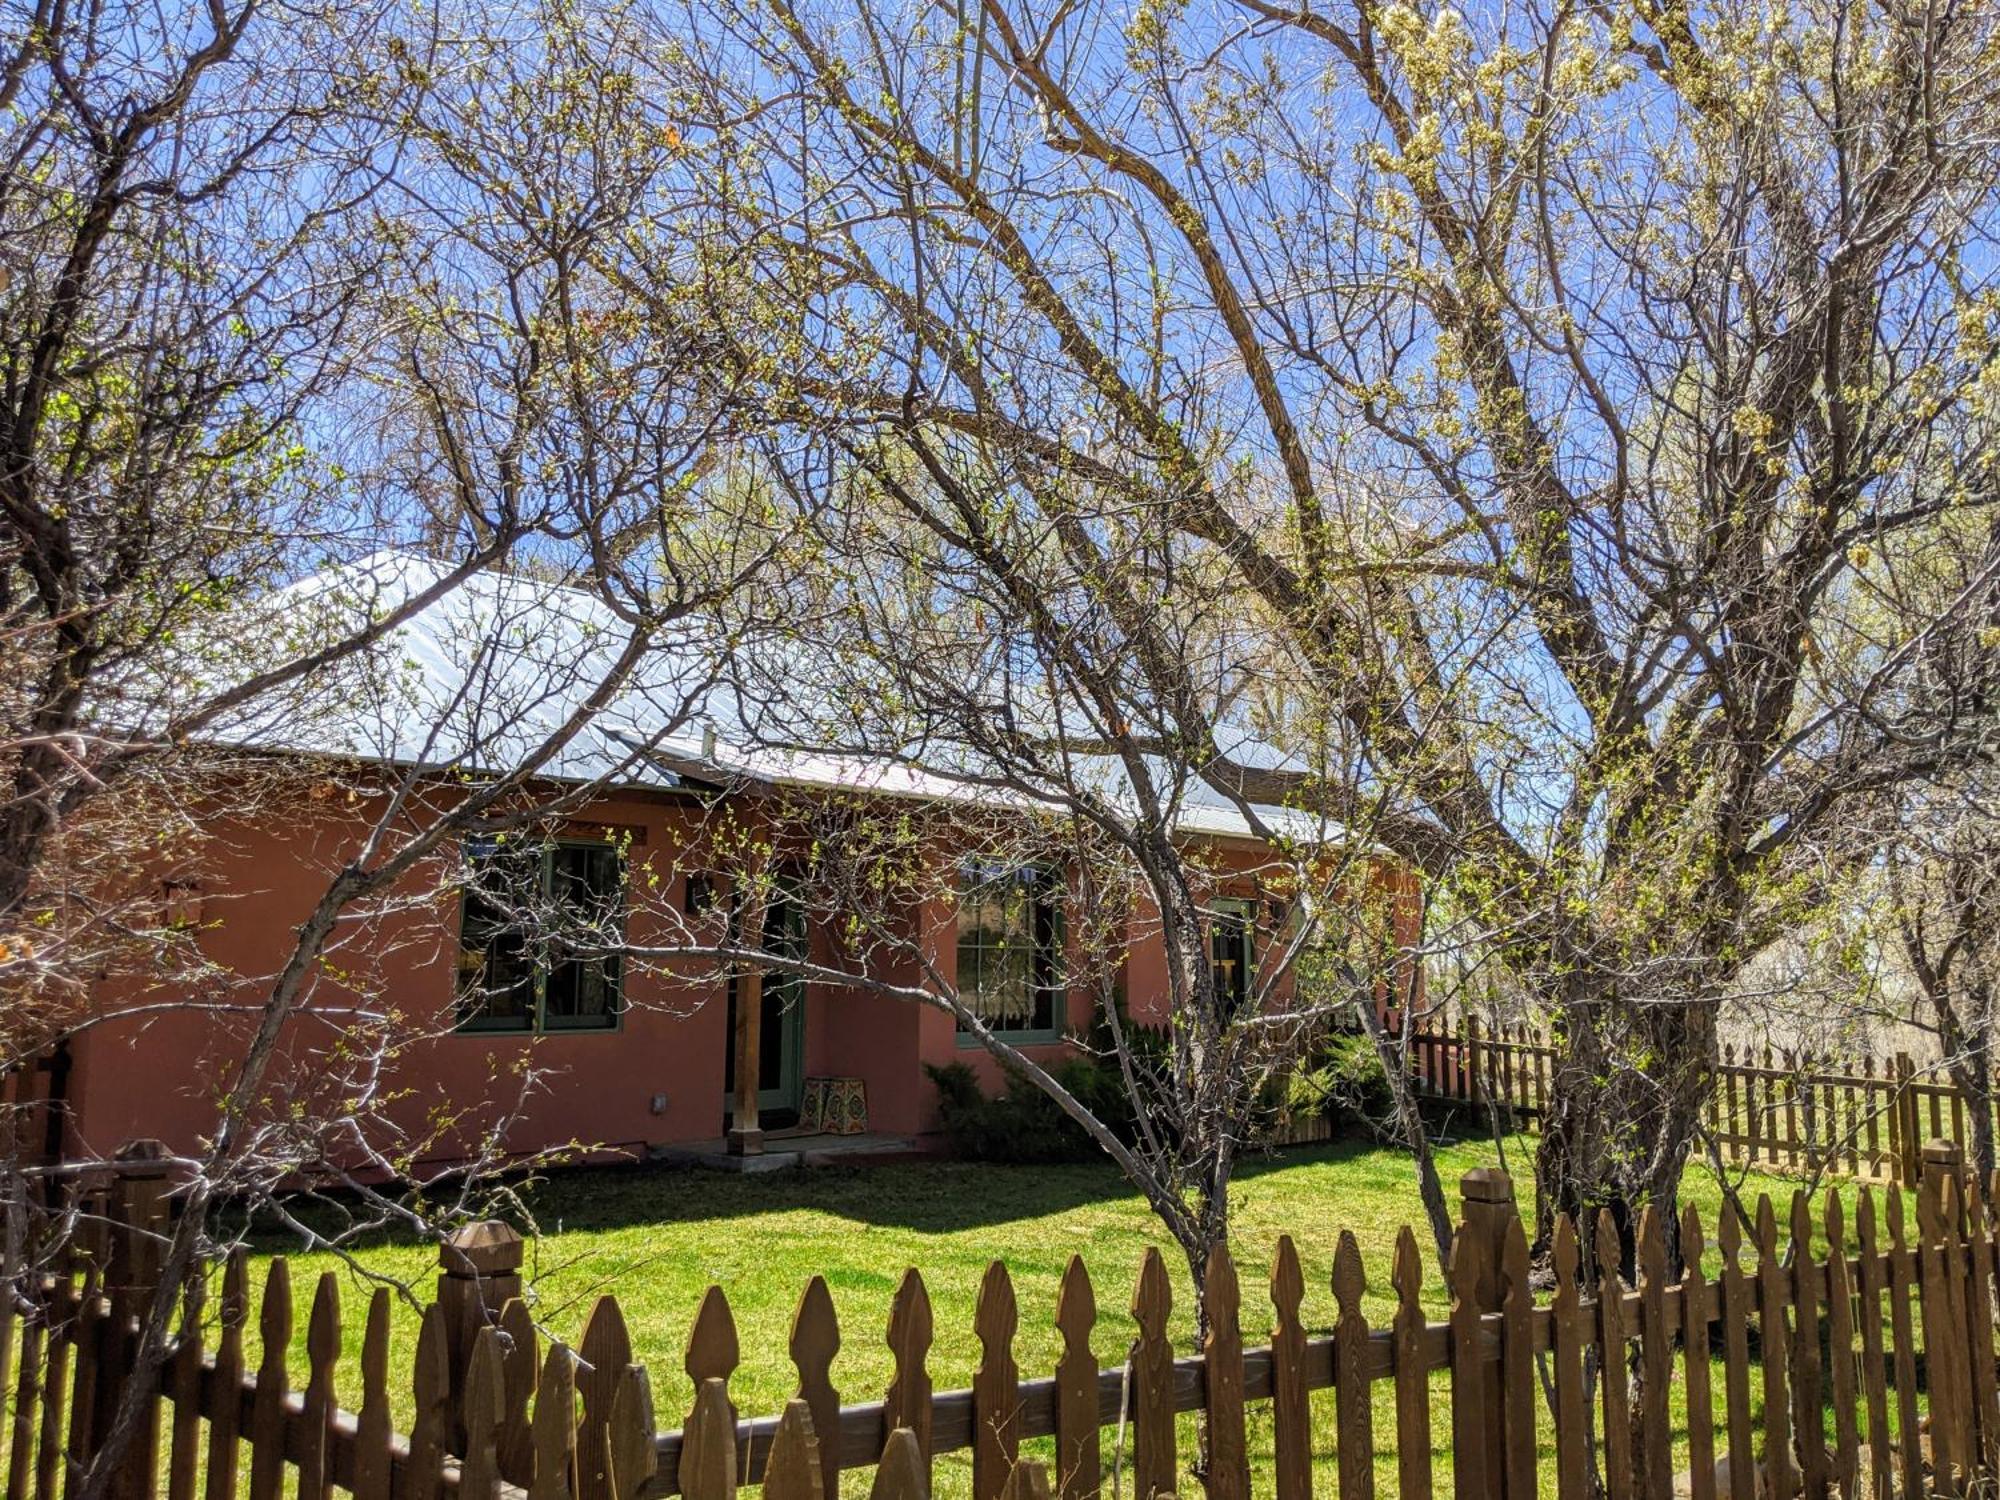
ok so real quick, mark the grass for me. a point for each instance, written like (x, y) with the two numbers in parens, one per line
(659, 1237)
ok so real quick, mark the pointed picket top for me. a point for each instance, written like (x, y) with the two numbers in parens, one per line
(1692, 1243)
(900, 1474)
(815, 1342)
(1349, 1281)
(1406, 1271)
(373, 1423)
(1076, 1307)
(430, 1373)
(235, 1308)
(1607, 1248)
(1835, 1220)
(1802, 1225)
(791, 1470)
(631, 1451)
(908, 1400)
(553, 1433)
(1461, 1270)
(1153, 1296)
(1864, 1220)
(1729, 1235)
(815, 1331)
(1893, 1199)
(479, 1464)
(375, 1343)
(1220, 1289)
(1767, 1227)
(323, 1326)
(1514, 1264)
(708, 1445)
(1568, 1253)
(997, 1316)
(712, 1352)
(1288, 1282)
(1652, 1257)
(606, 1345)
(274, 1318)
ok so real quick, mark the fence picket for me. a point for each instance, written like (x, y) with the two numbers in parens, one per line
(431, 1419)
(184, 1435)
(996, 1443)
(322, 1349)
(267, 1411)
(708, 1445)
(1519, 1399)
(1654, 1448)
(814, 1343)
(372, 1429)
(1413, 1387)
(792, 1472)
(1228, 1448)
(520, 1364)
(1808, 1394)
(903, 1473)
(1567, 1335)
(631, 1455)
(908, 1401)
(1154, 1463)
(603, 1353)
(1775, 1350)
(554, 1430)
(1614, 1390)
(1979, 1319)
(1840, 1346)
(1902, 1281)
(1078, 1473)
(1737, 1305)
(1468, 1371)
(1695, 1303)
(479, 1464)
(1874, 1359)
(1354, 1439)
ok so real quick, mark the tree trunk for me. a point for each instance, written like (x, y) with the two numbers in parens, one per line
(1626, 1100)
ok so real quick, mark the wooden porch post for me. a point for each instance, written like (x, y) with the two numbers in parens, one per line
(746, 1136)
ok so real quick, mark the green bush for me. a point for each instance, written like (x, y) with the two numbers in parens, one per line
(1020, 1123)
(1346, 1081)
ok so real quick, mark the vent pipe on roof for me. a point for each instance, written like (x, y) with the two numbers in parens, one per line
(708, 742)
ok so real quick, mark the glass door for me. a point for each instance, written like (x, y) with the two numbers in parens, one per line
(782, 1022)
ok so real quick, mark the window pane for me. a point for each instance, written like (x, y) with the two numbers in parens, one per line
(587, 900)
(496, 971)
(1008, 947)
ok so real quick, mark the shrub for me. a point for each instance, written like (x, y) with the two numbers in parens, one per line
(1020, 1123)
(1346, 1080)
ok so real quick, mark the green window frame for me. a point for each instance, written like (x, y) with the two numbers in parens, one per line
(1232, 951)
(1010, 938)
(513, 973)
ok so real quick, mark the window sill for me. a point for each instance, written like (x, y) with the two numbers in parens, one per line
(970, 1043)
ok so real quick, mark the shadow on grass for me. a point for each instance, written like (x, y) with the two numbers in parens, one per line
(931, 1197)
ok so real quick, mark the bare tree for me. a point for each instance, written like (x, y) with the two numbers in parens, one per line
(1545, 380)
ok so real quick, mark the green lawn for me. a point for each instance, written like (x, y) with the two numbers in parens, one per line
(658, 1238)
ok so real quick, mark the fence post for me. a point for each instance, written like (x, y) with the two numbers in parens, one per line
(1487, 1208)
(1906, 1128)
(479, 1272)
(1943, 1160)
(137, 1206)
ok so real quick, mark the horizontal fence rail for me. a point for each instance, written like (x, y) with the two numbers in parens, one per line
(1789, 1111)
(1810, 1354)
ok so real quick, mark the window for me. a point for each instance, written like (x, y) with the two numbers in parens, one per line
(1010, 950)
(1232, 926)
(528, 910)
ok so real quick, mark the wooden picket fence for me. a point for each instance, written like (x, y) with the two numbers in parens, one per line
(1875, 1360)
(1792, 1111)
